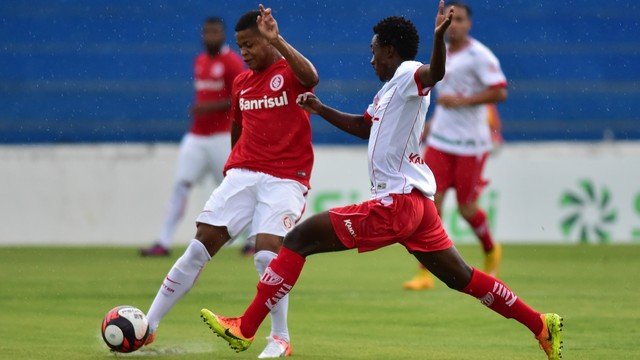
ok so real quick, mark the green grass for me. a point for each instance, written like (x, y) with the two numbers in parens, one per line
(346, 306)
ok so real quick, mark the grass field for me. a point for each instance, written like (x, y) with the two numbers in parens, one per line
(346, 306)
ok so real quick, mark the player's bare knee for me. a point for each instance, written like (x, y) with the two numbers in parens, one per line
(212, 237)
(301, 240)
(293, 239)
(268, 242)
(468, 210)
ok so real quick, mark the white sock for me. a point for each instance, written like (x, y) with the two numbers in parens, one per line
(178, 281)
(175, 211)
(261, 260)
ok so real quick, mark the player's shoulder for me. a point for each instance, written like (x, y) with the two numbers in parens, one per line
(407, 69)
(480, 50)
(282, 68)
(280, 65)
(202, 56)
(242, 77)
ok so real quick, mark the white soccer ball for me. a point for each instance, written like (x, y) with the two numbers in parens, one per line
(125, 329)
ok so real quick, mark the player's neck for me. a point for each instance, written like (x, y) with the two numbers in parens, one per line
(395, 67)
(213, 52)
(274, 58)
(457, 45)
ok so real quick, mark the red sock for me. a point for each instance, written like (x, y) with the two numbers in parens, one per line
(494, 294)
(480, 226)
(276, 282)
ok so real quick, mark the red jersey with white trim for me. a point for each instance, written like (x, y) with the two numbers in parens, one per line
(464, 130)
(276, 132)
(213, 77)
(397, 114)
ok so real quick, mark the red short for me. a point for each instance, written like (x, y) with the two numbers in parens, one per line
(463, 173)
(409, 219)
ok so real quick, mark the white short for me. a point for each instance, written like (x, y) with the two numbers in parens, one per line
(264, 203)
(202, 155)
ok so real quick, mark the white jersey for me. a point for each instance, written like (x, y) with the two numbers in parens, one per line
(465, 130)
(397, 114)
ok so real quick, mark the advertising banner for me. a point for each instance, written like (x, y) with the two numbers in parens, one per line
(546, 192)
(117, 194)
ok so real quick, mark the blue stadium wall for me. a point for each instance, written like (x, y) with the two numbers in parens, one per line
(120, 71)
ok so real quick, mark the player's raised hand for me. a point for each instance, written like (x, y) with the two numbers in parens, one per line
(309, 102)
(443, 20)
(267, 24)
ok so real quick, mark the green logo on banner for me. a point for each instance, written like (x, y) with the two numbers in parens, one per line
(635, 233)
(590, 213)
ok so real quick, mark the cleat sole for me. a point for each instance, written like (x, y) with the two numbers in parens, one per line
(218, 335)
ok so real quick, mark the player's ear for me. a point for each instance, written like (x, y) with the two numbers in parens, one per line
(388, 51)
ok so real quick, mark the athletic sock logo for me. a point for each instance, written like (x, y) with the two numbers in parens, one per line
(282, 292)
(168, 286)
(271, 278)
(502, 291)
(487, 300)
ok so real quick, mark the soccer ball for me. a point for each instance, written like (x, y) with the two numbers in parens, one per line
(125, 329)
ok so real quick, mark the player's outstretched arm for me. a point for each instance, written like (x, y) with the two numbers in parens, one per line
(434, 72)
(350, 123)
(301, 66)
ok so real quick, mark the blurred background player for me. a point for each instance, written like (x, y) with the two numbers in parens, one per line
(459, 136)
(401, 209)
(268, 171)
(205, 148)
(495, 125)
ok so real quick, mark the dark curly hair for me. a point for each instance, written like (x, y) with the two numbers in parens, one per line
(400, 33)
(248, 21)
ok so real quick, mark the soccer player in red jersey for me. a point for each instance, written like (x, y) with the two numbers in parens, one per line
(205, 148)
(459, 134)
(267, 174)
(401, 209)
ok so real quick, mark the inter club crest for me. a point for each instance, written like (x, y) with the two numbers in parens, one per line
(276, 82)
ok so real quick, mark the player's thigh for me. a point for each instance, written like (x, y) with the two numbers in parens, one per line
(468, 178)
(442, 165)
(279, 206)
(233, 203)
(376, 223)
(429, 235)
(192, 160)
(218, 149)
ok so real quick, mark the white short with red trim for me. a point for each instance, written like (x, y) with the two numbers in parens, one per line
(263, 203)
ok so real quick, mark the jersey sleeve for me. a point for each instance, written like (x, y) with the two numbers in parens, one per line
(410, 85)
(489, 71)
(369, 112)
